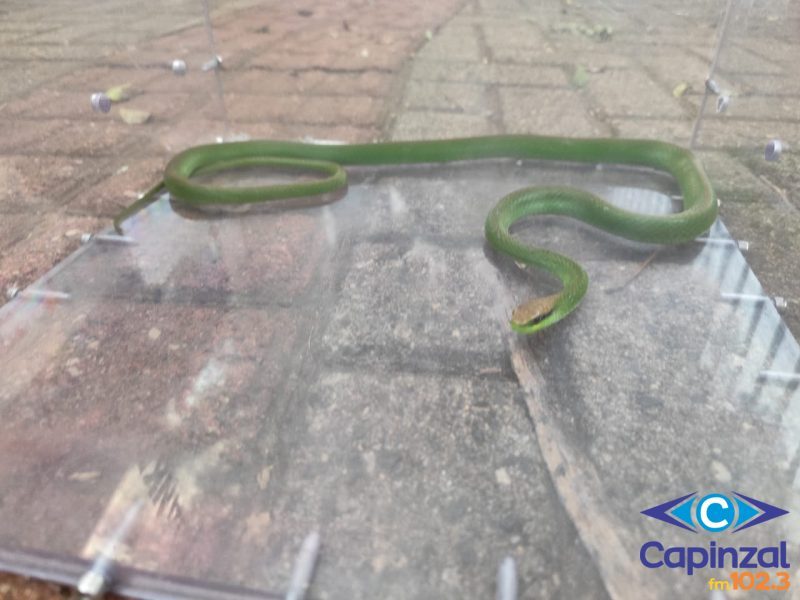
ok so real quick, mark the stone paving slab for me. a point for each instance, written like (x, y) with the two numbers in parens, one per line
(746, 133)
(401, 457)
(402, 469)
(455, 46)
(415, 333)
(739, 60)
(650, 128)
(521, 60)
(732, 180)
(624, 93)
(629, 90)
(488, 73)
(569, 53)
(556, 111)
(456, 97)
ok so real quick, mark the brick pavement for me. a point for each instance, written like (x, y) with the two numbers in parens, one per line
(481, 73)
(341, 72)
(328, 71)
(515, 75)
(66, 170)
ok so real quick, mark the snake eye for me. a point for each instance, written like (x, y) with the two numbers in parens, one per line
(539, 319)
(535, 325)
(521, 321)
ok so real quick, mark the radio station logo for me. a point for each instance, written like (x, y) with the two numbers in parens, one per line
(713, 514)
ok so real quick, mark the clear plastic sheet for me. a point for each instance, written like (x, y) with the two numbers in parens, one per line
(193, 399)
(348, 369)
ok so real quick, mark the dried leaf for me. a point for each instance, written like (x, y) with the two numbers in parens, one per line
(263, 477)
(84, 476)
(134, 117)
(580, 77)
(119, 93)
(680, 89)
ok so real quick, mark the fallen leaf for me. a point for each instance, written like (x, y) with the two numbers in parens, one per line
(84, 476)
(119, 93)
(263, 477)
(580, 77)
(680, 89)
(134, 117)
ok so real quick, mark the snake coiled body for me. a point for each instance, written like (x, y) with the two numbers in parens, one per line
(698, 213)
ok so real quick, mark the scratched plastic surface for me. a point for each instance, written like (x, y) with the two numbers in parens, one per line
(194, 399)
(347, 368)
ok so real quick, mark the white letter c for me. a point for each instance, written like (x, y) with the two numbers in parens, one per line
(704, 513)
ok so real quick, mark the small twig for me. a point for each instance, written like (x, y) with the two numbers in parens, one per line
(780, 191)
(638, 272)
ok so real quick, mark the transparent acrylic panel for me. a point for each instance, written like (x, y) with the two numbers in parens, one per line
(348, 368)
(230, 383)
(66, 165)
(745, 135)
(753, 100)
(592, 68)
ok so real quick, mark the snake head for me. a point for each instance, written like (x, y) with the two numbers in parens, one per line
(534, 314)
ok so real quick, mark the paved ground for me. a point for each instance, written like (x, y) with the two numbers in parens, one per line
(494, 67)
(360, 71)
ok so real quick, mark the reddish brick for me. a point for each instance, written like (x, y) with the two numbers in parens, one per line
(322, 75)
(264, 82)
(345, 110)
(98, 79)
(26, 136)
(196, 81)
(43, 181)
(194, 39)
(120, 189)
(77, 106)
(290, 60)
(173, 137)
(299, 131)
(278, 269)
(52, 238)
(367, 83)
(98, 138)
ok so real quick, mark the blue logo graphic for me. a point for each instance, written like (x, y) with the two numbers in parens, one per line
(715, 512)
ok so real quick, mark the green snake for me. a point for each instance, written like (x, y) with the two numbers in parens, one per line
(699, 203)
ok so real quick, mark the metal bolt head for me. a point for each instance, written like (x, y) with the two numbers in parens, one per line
(780, 302)
(214, 63)
(507, 580)
(712, 86)
(101, 102)
(773, 150)
(93, 584)
(179, 67)
(86, 238)
(11, 292)
(723, 102)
